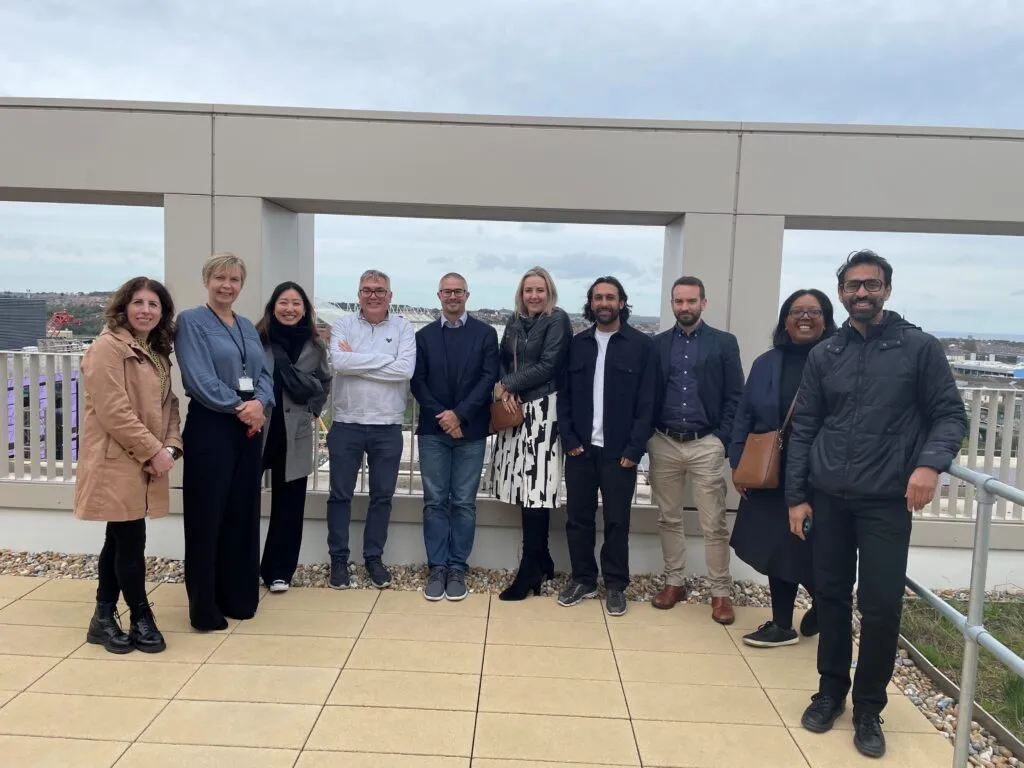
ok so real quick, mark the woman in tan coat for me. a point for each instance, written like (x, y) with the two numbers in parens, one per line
(130, 439)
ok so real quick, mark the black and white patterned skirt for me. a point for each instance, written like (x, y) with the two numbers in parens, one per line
(526, 466)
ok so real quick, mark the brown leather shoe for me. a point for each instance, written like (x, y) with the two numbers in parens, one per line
(668, 597)
(721, 610)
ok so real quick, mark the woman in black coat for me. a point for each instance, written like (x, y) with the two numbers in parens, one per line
(761, 535)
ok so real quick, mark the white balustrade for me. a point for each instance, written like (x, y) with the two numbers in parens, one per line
(45, 402)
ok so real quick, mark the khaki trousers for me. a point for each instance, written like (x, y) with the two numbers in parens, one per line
(703, 461)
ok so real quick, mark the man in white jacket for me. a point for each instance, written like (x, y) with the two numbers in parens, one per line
(373, 356)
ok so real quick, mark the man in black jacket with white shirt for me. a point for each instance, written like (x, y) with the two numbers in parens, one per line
(605, 413)
(877, 418)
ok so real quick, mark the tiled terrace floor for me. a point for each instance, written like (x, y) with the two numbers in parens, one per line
(393, 681)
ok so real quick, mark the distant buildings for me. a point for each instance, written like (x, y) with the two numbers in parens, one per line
(22, 322)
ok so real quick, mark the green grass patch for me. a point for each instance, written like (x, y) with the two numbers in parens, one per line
(999, 690)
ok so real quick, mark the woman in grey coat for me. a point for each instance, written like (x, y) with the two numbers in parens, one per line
(298, 360)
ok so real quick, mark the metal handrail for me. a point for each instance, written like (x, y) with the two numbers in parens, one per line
(971, 626)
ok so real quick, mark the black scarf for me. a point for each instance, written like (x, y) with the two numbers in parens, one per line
(287, 343)
(291, 338)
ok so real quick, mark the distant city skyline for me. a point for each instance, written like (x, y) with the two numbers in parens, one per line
(939, 280)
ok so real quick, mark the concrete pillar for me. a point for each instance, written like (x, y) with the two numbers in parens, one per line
(756, 278)
(276, 244)
(699, 244)
(188, 242)
(739, 258)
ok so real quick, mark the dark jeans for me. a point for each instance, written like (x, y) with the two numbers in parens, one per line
(122, 564)
(880, 530)
(346, 444)
(584, 475)
(221, 504)
(451, 472)
(284, 534)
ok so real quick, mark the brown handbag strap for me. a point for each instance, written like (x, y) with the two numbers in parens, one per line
(789, 413)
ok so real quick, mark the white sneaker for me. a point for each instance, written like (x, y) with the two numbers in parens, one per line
(279, 585)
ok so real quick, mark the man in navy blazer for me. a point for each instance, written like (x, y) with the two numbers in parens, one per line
(456, 369)
(699, 389)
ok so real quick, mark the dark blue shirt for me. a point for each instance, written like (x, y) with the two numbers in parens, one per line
(683, 410)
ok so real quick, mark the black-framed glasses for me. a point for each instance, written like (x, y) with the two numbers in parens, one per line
(380, 293)
(458, 293)
(804, 312)
(874, 285)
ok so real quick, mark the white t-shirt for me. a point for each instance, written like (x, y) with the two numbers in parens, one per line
(597, 436)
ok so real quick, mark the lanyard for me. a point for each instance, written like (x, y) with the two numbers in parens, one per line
(240, 348)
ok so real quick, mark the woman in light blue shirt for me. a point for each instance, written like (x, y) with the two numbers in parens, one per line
(224, 371)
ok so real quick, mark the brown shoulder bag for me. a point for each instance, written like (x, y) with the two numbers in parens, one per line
(759, 463)
(501, 419)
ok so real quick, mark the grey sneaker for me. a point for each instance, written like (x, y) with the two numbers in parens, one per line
(380, 576)
(576, 593)
(434, 590)
(615, 602)
(339, 575)
(456, 589)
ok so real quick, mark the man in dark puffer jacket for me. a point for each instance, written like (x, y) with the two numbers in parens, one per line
(878, 417)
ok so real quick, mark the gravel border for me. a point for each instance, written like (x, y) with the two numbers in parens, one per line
(939, 709)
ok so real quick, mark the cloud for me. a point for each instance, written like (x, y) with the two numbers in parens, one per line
(541, 226)
(933, 62)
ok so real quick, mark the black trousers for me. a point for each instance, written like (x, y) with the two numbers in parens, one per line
(122, 564)
(584, 475)
(221, 501)
(879, 530)
(284, 535)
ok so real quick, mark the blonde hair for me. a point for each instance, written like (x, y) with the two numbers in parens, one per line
(548, 282)
(225, 261)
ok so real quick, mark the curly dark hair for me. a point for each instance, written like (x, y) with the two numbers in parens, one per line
(161, 338)
(780, 336)
(588, 313)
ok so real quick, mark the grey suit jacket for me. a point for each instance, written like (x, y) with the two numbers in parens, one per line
(299, 420)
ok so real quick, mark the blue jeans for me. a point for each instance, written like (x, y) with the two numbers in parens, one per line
(346, 444)
(451, 477)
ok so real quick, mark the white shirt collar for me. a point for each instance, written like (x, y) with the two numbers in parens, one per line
(457, 324)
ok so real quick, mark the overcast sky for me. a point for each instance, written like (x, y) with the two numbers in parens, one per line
(916, 62)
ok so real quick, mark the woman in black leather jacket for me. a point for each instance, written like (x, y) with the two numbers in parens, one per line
(527, 465)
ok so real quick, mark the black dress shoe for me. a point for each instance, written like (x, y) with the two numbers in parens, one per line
(867, 734)
(822, 713)
(143, 631)
(105, 630)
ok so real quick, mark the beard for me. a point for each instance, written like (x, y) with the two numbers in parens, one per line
(865, 313)
(606, 316)
(688, 317)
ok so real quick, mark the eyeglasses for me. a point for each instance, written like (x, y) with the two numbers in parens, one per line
(801, 312)
(380, 293)
(458, 293)
(871, 286)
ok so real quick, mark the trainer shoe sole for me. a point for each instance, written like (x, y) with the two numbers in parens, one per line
(569, 603)
(765, 644)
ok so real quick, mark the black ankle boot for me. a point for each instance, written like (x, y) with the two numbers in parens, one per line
(105, 630)
(143, 631)
(528, 579)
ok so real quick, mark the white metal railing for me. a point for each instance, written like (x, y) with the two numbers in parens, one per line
(987, 493)
(42, 438)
